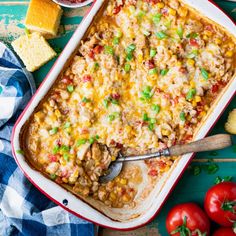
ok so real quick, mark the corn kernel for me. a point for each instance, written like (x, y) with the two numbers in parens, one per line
(179, 63)
(123, 181)
(165, 132)
(190, 62)
(160, 5)
(198, 98)
(182, 11)
(113, 158)
(126, 198)
(218, 41)
(194, 103)
(112, 196)
(231, 45)
(205, 37)
(229, 54)
(172, 12)
(140, 58)
(208, 33)
(57, 113)
(192, 84)
(202, 114)
(206, 107)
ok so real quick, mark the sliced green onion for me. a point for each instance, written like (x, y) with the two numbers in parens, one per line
(118, 34)
(192, 35)
(224, 179)
(146, 33)
(114, 101)
(81, 141)
(141, 14)
(153, 121)
(127, 67)
(157, 18)
(116, 40)
(182, 116)
(191, 93)
(20, 152)
(180, 32)
(156, 108)
(96, 66)
(53, 131)
(70, 88)
(152, 71)
(97, 137)
(66, 125)
(111, 117)
(65, 148)
(164, 72)
(146, 93)
(153, 52)
(66, 156)
(53, 176)
(106, 103)
(55, 149)
(193, 54)
(85, 100)
(109, 50)
(129, 56)
(130, 48)
(161, 35)
(205, 74)
(151, 126)
(91, 140)
(145, 117)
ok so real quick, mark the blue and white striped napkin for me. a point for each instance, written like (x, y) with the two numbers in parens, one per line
(23, 209)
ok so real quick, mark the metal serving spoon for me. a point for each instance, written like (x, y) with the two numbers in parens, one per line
(214, 142)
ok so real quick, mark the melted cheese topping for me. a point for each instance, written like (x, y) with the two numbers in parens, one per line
(143, 79)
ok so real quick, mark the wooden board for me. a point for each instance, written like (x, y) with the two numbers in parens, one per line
(191, 187)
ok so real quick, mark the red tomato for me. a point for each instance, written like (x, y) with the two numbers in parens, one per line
(187, 219)
(194, 43)
(220, 203)
(224, 232)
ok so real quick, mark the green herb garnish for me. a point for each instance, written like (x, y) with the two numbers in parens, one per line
(116, 41)
(81, 142)
(152, 71)
(164, 72)
(224, 179)
(205, 74)
(153, 53)
(157, 18)
(161, 35)
(70, 88)
(53, 131)
(66, 156)
(85, 100)
(182, 116)
(55, 149)
(109, 50)
(191, 93)
(156, 108)
(127, 67)
(180, 32)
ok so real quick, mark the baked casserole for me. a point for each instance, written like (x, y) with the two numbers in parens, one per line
(143, 78)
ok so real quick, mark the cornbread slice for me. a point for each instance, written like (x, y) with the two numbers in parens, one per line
(43, 16)
(230, 126)
(34, 50)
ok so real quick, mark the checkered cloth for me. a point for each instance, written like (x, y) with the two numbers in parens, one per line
(23, 209)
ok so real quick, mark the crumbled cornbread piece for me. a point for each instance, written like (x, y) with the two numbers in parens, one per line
(43, 16)
(34, 50)
(230, 126)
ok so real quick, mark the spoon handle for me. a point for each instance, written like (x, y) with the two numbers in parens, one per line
(214, 142)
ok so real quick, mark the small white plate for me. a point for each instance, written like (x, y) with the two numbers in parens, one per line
(66, 3)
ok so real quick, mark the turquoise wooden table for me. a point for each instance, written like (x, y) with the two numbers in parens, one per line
(193, 184)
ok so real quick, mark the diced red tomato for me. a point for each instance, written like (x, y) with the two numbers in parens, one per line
(66, 80)
(193, 42)
(150, 64)
(98, 49)
(52, 158)
(91, 54)
(215, 88)
(115, 96)
(116, 10)
(153, 173)
(87, 78)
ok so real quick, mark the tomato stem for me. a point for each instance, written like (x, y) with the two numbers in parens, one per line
(183, 230)
(229, 206)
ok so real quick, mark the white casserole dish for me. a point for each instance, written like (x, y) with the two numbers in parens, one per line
(156, 199)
